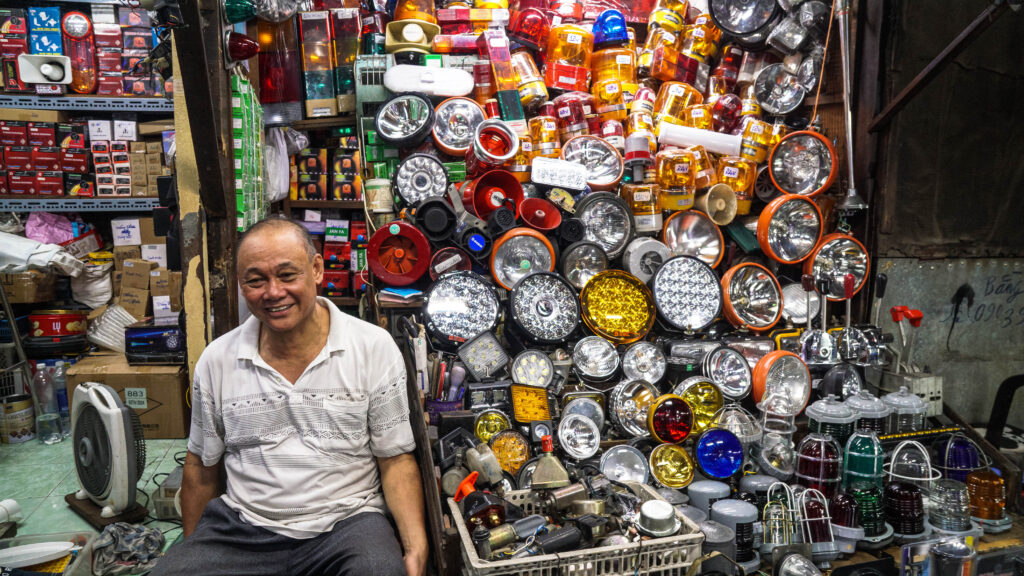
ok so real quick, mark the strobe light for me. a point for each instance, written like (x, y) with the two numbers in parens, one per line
(405, 120)
(459, 306)
(420, 177)
(687, 294)
(752, 297)
(803, 163)
(788, 228)
(544, 308)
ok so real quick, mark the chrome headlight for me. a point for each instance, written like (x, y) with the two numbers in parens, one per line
(579, 436)
(582, 261)
(744, 17)
(608, 221)
(778, 91)
(788, 229)
(544, 307)
(729, 370)
(455, 123)
(803, 163)
(405, 120)
(644, 361)
(628, 404)
(595, 359)
(752, 297)
(603, 162)
(519, 253)
(643, 257)
(836, 256)
(693, 233)
(794, 303)
(782, 383)
(585, 407)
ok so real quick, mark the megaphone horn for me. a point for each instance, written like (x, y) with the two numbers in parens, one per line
(719, 203)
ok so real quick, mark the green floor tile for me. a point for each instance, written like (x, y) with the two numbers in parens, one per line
(54, 515)
(33, 480)
(158, 448)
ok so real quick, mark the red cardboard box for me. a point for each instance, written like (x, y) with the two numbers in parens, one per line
(13, 133)
(3, 182)
(45, 158)
(107, 36)
(21, 183)
(110, 84)
(72, 136)
(42, 134)
(50, 183)
(80, 185)
(335, 283)
(337, 254)
(108, 61)
(72, 160)
(18, 158)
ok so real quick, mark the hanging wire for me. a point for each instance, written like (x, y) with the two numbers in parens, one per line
(824, 60)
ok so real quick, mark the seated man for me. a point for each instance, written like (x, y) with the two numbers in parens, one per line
(306, 409)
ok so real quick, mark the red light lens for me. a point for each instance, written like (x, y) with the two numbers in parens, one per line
(671, 420)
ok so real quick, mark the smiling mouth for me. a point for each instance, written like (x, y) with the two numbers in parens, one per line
(279, 308)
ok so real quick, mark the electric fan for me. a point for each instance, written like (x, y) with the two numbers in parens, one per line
(110, 452)
(398, 254)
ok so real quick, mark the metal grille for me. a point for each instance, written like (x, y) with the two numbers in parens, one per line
(140, 445)
(92, 451)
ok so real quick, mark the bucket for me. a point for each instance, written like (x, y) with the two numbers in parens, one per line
(17, 419)
(378, 195)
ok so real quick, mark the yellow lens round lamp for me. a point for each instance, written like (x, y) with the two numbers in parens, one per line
(617, 306)
(511, 449)
(704, 397)
(672, 465)
(490, 422)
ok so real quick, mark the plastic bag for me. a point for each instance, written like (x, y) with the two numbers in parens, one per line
(275, 166)
(94, 288)
(48, 228)
(107, 330)
(11, 223)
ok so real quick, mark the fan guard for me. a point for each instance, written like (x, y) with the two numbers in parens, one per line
(398, 253)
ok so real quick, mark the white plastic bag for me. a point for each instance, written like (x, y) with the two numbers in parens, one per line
(94, 288)
(275, 166)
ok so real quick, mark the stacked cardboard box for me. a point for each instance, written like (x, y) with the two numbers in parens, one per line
(141, 279)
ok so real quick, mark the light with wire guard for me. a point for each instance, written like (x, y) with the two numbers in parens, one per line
(819, 464)
(817, 525)
(776, 456)
(910, 463)
(958, 456)
(863, 459)
(832, 417)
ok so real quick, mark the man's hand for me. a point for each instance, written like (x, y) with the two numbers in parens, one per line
(400, 481)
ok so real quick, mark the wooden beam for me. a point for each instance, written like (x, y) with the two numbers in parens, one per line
(951, 51)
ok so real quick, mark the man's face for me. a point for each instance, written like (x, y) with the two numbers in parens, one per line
(278, 279)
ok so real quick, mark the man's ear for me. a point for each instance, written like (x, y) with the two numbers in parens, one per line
(318, 269)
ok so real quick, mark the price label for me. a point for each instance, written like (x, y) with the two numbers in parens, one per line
(136, 398)
(527, 146)
(697, 113)
(682, 168)
(701, 20)
(498, 43)
(623, 60)
(675, 90)
(574, 38)
(756, 128)
(698, 33)
(612, 88)
(568, 80)
(549, 125)
(731, 172)
(642, 196)
(564, 112)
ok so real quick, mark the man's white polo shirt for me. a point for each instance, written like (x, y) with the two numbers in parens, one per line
(300, 458)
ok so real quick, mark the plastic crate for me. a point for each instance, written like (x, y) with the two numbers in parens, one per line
(5, 328)
(81, 566)
(670, 556)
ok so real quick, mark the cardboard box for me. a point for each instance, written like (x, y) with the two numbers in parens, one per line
(160, 282)
(136, 273)
(135, 301)
(154, 147)
(29, 287)
(156, 253)
(134, 230)
(122, 253)
(116, 278)
(26, 115)
(126, 130)
(156, 393)
(175, 290)
(101, 130)
(137, 148)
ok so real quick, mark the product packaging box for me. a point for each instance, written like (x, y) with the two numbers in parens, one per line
(29, 287)
(134, 300)
(156, 393)
(136, 273)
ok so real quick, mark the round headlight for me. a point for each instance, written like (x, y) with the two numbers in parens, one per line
(836, 256)
(511, 449)
(455, 122)
(544, 307)
(782, 383)
(398, 253)
(672, 465)
(459, 306)
(803, 163)
(643, 257)
(617, 306)
(719, 453)
(603, 162)
(582, 261)
(752, 297)
(777, 91)
(644, 361)
(670, 419)
(420, 177)
(595, 359)
(585, 407)
(519, 253)
(693, 233)
(607, 221)
(624, 463)
(533, 368)
(704, 398)
(739, 421)
(405, 120)
(628, 404)
(488, 423)
(729, 370)
(742, 18)
(789, 228)
(579, 436)
(687, 293)
(794, 303)
(777, 456)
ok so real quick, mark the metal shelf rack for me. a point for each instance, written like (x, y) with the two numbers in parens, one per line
(60, 204)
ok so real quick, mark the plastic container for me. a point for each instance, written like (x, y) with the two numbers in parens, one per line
(54, 323)
(668, 556)
(81, 566)
(907, 411)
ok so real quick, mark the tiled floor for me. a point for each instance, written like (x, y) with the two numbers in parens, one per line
(38, 477)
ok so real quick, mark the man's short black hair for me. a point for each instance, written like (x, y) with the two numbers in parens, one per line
(277, 223)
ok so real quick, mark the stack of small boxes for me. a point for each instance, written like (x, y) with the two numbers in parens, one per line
(315, 179)
(137, 36)
(247, 145)
(109, 48)
(344, 257)
(44, 159)
(44, 31)
(124, 166)
(13, 41)
(141, 279)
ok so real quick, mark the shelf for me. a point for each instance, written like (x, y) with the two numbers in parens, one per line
(87, 103)
(344, 301)
(59, 204)
(322, 123)
(338, 204)
(401, 305)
